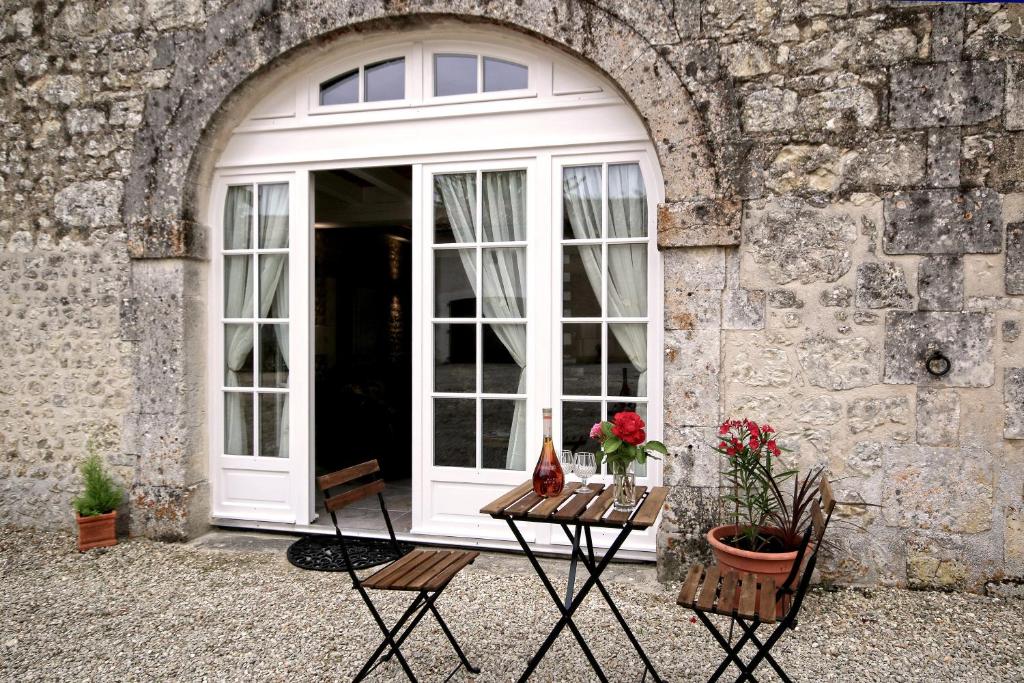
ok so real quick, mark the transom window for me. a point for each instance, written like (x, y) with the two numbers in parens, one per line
(462, 74)
(376, 82)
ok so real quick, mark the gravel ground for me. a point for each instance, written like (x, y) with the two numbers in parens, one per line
(147, 611)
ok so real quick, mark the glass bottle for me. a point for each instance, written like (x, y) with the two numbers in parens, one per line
(548, 479)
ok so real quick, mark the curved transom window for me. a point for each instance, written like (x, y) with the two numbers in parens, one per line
(377, 82)
(458, 74)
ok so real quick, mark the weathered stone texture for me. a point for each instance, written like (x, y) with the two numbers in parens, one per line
(882, 285)
(1011, 331)
(938, 417)
(1013, 399)
(863, 414)
(839, 364)
(1015, 258)
(1014, 118)
(692, 369)
(943, 222)
(743, 309)
(944, 157)
(953, 94)
(702, 222)
(940, 283)
(964, 338)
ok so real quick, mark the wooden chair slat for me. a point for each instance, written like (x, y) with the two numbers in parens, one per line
(498, 505)
(651, 507)
(385, 574)
(346, 475)
(522, 506)
(689, 589)
(549, 505)
(746, 605)
(348, 497)
(727, 596)
(578, 503)
(709, 590)
(620, 517)
(766, 600)
(418, 574)
(819, 523)
(827, 499)
(445, 575)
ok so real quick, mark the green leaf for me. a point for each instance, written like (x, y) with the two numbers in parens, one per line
(606, 429)
(611, 444)
(657, 446)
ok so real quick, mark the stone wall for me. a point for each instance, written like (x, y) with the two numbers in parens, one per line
(845, 191)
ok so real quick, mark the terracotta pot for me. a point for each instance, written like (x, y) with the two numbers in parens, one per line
(777, 565)
(97, 531)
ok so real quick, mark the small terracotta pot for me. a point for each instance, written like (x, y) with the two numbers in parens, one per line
(97, 531)
(776, 565)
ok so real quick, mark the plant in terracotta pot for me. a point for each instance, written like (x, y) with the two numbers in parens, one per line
(623, 443)
(97, 507)
(767, 524)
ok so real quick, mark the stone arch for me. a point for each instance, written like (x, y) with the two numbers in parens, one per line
(216, 72)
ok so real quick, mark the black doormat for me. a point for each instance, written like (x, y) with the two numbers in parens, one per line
(323, 553)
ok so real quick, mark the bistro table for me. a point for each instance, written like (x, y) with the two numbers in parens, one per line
(577, 513)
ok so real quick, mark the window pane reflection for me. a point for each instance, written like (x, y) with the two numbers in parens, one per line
(453, 290)
(384, 80)
(455, 358)
(502, 75)
(454, 432)
(581, 359)
(454, 74)
(343, 89)
(503, 434)
(581, 281)
(578, 417)
(273, 425)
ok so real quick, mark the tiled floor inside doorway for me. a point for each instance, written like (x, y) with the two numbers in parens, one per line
(365, 515)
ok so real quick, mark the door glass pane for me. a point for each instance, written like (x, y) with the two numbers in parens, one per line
(384, 80)
(502, 75)
(238, 425)
(455, 357)
(504, 282)
(454, 74)
(454, 432)
(502, 346)
(504, 206)
(627, 359)
(627, 280)
(641, 410)
(238, 218)
(274, 356)
(581, 202)
(238, 355)
(454, 208)
(238, 286)
(343, 89)
(453, 289)
(504, 431)
(581, 281)
(273, 223)
(578, 417)
(581, 359)
(627, 201)
(273, 285)
(273, 425)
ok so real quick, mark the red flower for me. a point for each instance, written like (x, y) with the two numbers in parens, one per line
(730, 451)
(773, 448)
(754, 444)
(753, 429)
(629, 427)
(723, 445)
(767, 429)
(724, 429)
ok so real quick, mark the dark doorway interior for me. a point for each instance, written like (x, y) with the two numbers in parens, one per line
(363, 319)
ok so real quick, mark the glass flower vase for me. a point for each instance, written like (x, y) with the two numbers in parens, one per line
(623, 487)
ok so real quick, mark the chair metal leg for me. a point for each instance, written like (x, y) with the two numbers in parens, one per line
(749, 629)
(762, 653)
(731, 651)
(451, 638)
(389, 637)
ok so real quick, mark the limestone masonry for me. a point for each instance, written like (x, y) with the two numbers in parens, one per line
(845, 195)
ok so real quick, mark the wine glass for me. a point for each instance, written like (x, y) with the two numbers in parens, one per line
(568, 462)
(586, 465)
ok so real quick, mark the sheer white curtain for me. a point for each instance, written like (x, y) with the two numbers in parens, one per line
(273, 234)
(627, 263)
(503, 274)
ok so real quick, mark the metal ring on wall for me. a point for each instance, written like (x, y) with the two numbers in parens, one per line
(937, 364)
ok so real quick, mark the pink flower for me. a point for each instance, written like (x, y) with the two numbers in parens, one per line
(596, 431)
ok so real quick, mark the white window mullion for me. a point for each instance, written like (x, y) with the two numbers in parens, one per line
(479, 227)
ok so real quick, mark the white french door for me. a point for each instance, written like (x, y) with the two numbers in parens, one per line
(259, 361)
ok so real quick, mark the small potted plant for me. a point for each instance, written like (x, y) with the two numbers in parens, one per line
(97, 507)
(767, 524)
(623, 443)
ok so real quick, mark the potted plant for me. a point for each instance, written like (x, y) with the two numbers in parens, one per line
(767, 525)
(97, 507)
(623, 443)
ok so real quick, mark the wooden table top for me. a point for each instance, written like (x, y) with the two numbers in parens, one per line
(590, 508)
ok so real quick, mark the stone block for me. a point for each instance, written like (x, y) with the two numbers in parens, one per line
(696, 310)
(839, 363)
(89, 204)
(693, 268)
(701, 222)
(769, 110)
(1013, 543)
(966, 339)
(163, 239)
(691, 460)
(1013, 403)
(889, 162)
(1015, 258)
(847, 107)
(760, 365)
(839, 296)
(743, 309)
(692, 367)
(796, 240)
(943, 157)
(784, 298)
(940, 283)
(938, 417)
(947, 33)
(863, 414)
(169, 513)
(882, 285)
(941, 489)
(1011, 331)
(819, 411)
(943, 222)
(1014, 118)
(948, 94)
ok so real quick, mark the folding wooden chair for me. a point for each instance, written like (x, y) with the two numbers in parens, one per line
(753, 601)
(425, 572)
